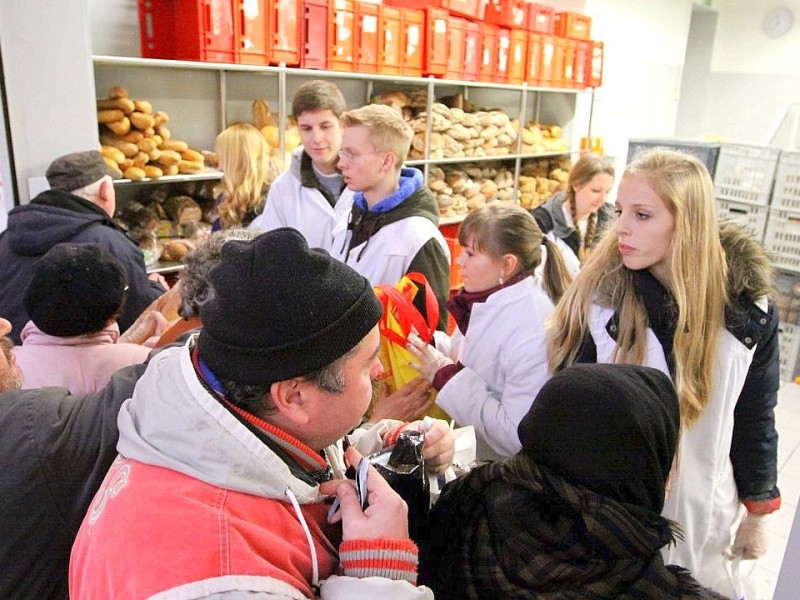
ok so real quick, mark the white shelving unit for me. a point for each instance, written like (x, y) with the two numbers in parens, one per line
(203, 98)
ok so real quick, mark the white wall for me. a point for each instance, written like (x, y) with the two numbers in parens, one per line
(49, 82)
(751, 76)
(645, 43)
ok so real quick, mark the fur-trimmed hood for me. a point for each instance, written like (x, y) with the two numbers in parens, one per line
(750, 271)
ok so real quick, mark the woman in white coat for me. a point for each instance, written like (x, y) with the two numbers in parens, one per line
(669, 287)
(489, 372)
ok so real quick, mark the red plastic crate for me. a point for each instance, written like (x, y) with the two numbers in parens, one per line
(457, 29)
(412, 42)
(368, 37)
(456, 280)
(390, 58)
(473, 52)
(582, 64)
(252, 25)
(506, 13)
(517, 56)
(595, 69)
(502, 55)
(199, 30)
(489, 41)
(341, 36)
(551, 67)
(573, 25)
(533, 59)
(435, 45)
(466, 8)
(541, 18)
(285, 32)
(314, 35)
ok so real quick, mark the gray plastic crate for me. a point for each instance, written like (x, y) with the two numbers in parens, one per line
(749, 216)
(745, 173)
(786, 194)
(708, 152)
(782, 239)
(789, 344)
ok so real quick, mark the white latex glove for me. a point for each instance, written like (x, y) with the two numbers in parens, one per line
(751, 537)
(429, 359)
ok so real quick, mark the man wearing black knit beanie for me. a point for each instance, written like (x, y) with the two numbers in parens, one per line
(228, 447)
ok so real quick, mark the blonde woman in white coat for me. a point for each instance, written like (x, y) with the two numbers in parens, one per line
(489, 372)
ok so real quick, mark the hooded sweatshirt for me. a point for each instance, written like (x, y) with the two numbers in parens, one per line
(54, 217)
(398, 235)
(197, 505)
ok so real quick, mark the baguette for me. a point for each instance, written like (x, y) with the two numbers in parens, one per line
(160, 118)
(152, 171)
(124, 104)
(176, 145)
(191, 166)
(118, 92)
(141, 121)
(128, 149)
(109, 116)
(192, 155)
(112, 153)
(121, 127)
(113, 167)
(134, 173)
(133, 136)
(143, 106)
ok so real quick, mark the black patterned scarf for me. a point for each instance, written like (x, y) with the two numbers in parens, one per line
(515, 530)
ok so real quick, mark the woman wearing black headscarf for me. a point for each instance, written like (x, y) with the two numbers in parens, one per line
(576, 514)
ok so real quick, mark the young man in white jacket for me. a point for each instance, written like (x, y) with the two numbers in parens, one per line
(227, 448)
(311, 196)
(393, 227)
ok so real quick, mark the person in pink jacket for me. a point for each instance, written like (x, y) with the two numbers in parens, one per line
(72, 339)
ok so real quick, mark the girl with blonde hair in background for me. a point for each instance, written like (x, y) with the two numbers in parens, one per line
(575, 218)
(491, 369)
(247, 172)
(671, 288)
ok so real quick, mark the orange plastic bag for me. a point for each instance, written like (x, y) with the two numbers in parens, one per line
(400, 315)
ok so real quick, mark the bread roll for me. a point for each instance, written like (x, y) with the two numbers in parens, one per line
(143, 106)
(110, 115)
(118, 92)
(141, 121)
(124, 104)
(120, 127)
(134, 173)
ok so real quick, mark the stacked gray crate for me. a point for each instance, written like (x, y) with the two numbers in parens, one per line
(743, 183)
(782, 241)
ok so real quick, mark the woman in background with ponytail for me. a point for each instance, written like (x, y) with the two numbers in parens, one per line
(489, 372)
(574, 219)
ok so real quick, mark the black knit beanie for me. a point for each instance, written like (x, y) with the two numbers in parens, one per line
(74, 289)
(609, 427)
(281, 310)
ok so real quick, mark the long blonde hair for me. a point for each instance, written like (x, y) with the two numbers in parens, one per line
(248, 170)
(499, 229)
(697, 272)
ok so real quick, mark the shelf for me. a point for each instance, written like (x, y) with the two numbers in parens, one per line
(124, 61)
(465, 159)
(204, 176)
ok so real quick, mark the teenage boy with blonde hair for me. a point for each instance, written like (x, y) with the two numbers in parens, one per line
(393, 225)
(311, 195)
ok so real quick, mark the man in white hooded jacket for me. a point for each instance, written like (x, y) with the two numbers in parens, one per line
(227, 448)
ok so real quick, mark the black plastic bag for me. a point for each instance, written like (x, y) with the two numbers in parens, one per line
(403, 467)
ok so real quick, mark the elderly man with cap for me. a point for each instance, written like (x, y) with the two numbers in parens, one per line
(228, 448)
(77, 208)
(72, 339)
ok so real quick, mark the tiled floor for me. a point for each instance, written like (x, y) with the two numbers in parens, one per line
(787, 417)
